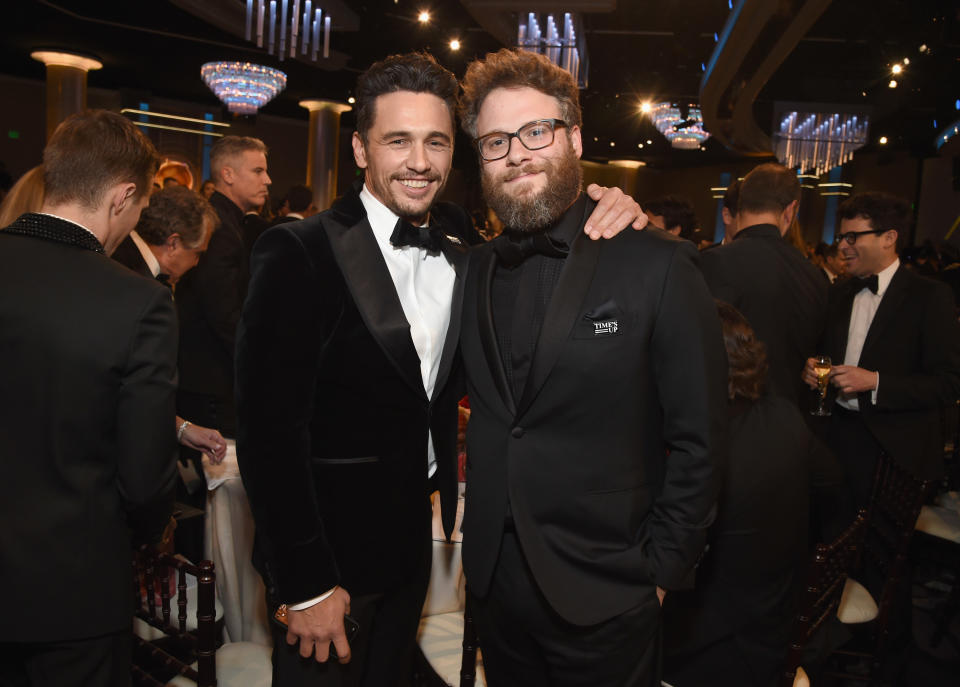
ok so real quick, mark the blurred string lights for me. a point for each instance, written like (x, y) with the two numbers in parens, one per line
(243, 87)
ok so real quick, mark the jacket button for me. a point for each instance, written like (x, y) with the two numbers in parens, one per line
(516, 432)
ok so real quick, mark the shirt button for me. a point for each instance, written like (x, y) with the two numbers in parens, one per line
(517, 432)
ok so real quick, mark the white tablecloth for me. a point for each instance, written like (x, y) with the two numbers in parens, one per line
(228, 542)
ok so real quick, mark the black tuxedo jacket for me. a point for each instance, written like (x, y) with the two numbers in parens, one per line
(333, 414)
(88, 351)
(629, 366)
(781, 294)
(209, 301)
(914, 343)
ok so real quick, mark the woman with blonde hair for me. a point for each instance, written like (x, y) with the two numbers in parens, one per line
(25, 196)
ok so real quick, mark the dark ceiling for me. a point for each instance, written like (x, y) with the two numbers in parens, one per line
(642, 49)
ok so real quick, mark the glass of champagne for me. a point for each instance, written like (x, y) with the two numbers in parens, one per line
(821, 366)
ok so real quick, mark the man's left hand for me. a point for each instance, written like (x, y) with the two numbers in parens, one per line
(853, 380)
(615, 211)
(205, 440)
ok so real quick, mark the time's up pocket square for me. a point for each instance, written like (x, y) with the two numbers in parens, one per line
(600, 321)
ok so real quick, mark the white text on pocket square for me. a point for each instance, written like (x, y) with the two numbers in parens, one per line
(606, 327)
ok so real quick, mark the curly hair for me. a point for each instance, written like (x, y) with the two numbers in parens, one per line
(508, 68)
(882, 210)
(177, 210)
(746, 355)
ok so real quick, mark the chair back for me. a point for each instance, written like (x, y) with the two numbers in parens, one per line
(818, 603)
(895, 504)
(157, 661)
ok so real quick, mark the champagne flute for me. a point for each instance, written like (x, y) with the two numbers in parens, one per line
(822, 367)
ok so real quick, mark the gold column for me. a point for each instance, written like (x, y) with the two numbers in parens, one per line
(323, 154)
(66, 84)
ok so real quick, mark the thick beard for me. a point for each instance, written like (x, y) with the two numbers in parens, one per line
(533, 213)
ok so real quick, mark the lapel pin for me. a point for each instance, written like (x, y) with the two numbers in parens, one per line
(454, 240)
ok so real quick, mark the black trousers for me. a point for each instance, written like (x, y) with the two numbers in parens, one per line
(525, 643)
(382, 652)
(103, 661)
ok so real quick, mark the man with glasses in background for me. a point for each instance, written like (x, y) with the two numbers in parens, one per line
(897, 338)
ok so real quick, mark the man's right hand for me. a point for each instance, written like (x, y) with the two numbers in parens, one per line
(315, 627)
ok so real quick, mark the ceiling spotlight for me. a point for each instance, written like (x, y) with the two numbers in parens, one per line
(896, 69)
(906, 60)
(613, 144)
(923, 48)
(649, 142)
(423, 17)
(640, 145)
(454, 44)
(351, 100)
(893, 83)
(883, 140)
(645, 107)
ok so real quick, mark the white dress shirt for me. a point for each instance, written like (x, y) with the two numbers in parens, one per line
(148, 256)
(865, 305)
(424, 282)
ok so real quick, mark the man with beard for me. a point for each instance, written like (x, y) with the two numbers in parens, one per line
(597, 382)
(347, 385)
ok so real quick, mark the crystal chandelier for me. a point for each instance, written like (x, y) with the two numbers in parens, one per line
(243, 87)
(287, 30)
(683, 132)
(818, 141)
(560, 45)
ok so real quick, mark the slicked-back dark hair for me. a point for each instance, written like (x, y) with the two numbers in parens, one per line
(884, 211)
(93, 150)
(417, 72)
(769, 187)
(676, 211)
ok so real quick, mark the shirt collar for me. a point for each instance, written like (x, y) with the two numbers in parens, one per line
(885, 276)
(295, 215)
(381, 218)
(148, 256)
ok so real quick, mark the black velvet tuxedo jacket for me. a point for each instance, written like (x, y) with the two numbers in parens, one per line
(782, 295)
(209, 301)
(629, 366)
(333, 415)
(87, 440)
(914, 343)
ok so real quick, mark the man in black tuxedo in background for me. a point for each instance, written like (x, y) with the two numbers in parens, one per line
(348, 379)
(87, 399)
(895, 345)
(209, 301)
(780, 292)
(597, 384)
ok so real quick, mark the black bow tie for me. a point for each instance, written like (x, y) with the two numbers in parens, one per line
(870, 282)
(512, 250)
(405, 234)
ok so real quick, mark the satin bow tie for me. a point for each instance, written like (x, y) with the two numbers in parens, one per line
(870, 282)
(405, 234)
(512, 251)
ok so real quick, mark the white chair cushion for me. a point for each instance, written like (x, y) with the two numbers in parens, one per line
(801, 679)
(441, 639)
(240, 664)
(943, 523)
(856, 604)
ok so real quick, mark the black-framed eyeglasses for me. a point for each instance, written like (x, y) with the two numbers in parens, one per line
(533, 135)
(851, 236)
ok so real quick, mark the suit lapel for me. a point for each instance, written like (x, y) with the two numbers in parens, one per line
(565, 306)
(889, 304)
(488, 333)
(456, 255)
(368, 278)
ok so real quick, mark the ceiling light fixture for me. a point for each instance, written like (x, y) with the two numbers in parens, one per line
(243, 87)
(897, 68)
(562, 47)
(892, 84)
(454, 44)
(883, 140)
(423, 17)
(303, 28)
(683, 132)
(818, 141)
